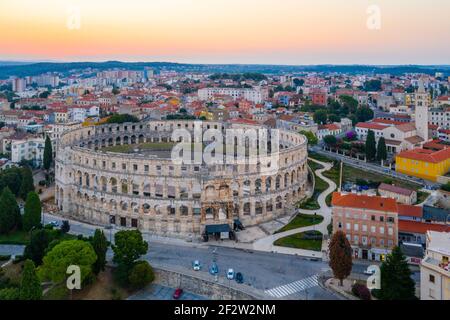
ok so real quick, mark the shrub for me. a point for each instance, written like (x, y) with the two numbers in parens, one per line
(141, 275)
(42, 183)
(9, 294)
(5, 257)
(361, 291)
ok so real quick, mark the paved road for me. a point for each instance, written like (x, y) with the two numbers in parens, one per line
(158, 292)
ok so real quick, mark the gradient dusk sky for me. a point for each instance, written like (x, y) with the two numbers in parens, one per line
(226, 31)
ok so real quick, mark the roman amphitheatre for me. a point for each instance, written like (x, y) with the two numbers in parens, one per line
(123, 174)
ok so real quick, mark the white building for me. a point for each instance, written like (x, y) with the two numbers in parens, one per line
(421, 117)
(19, 84)
(255, 95)
(434, 268)
(28, 148)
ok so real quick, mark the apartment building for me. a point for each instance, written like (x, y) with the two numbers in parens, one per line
(434, 268)
(369, 222)
(255, 95)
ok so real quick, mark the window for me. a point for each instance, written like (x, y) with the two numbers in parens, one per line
(146, 168)
(431, 278)
(372, 218)
(364, 228)
(124, 166)
(381, 218)
(356, 239)
(390, 231)
(113, 165)
(390, 219)
(134, 223)
(373, 229)
(348, 226)
(382, 230)
(356, 227)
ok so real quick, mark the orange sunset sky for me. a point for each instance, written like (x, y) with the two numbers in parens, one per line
(226, 31)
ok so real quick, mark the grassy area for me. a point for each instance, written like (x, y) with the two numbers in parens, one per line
(128, 148)
(319, 157)
(302, 220)
(18, 237)
(421, 196)
(320, 186)
(302, 241)
(351, 174)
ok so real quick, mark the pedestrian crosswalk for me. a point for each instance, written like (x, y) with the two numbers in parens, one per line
(293, 287)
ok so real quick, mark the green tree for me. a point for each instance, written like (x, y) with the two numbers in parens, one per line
(334, 118)
(122, 118)
(372, 85)
(39, 242)
(320, 117)
(129, 246)
(340, 256)
(27, 183)
(349, 104)
(312, 139)
(10, 217)
(48, 153)
(64, 254)
(381, 149)
(32, 211)
(371, 146)
(30, 288)
(330, 140)
(396, 281)
(364, 114)
(141, 275)
(100, 245)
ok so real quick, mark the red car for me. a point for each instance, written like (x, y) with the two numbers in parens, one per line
(177, 294)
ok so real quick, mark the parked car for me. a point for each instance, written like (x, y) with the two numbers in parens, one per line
(369, 272)
(214, 269)
(54, 223)
(239, 277)
(230, 274)
(177, 294)
(196, 265)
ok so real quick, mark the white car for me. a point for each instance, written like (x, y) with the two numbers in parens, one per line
(196, 265)
(230, 274)
(369, 272)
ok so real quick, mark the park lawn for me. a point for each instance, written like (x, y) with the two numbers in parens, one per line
(351, 174)
(298, 241)
(319, 157)
(319, 187)
(302, 220)
(17, 237)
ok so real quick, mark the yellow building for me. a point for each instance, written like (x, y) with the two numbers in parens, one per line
(423, 163)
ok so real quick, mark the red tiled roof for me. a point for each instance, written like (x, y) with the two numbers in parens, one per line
(352, 200)
(395, 189)
(406, 127)
(420, 227)
(370, 125)
(410, 211)
(426, 155)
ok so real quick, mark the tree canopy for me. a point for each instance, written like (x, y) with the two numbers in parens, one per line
(64, 254)
(129, 246)
(122, 118)
(381, 149)
(371, 146)
(396, 281)
(312, 139)
(48, 153)
(100, 245)
(10, 217)
(340, 256)
(32, 211)
(30, 288)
